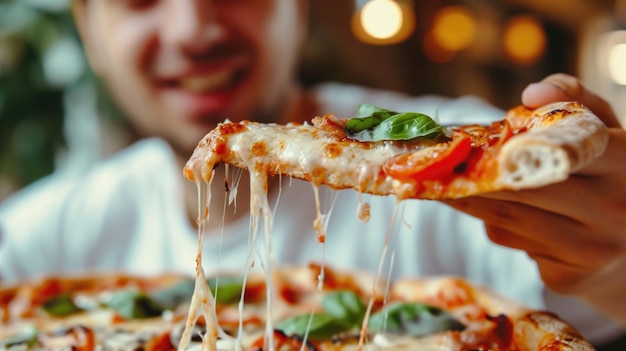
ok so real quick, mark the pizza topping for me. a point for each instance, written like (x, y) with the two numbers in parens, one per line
(172, 297)
(345, 305)
(414, 319)
(225, 289)
(433, 163)
(377, 124)
(318, 326)
(132, 304)
(61, 305)
(343, 310)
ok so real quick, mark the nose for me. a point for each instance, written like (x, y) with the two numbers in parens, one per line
(192, 25)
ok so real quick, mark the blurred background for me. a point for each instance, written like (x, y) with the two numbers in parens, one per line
(55, 116)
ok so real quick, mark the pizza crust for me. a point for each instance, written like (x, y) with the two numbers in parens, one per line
(544, 331)
(567, 138)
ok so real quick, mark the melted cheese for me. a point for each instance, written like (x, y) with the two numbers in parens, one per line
(251, 153)
(202, 302)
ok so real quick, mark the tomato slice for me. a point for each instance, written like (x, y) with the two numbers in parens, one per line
(434, 163)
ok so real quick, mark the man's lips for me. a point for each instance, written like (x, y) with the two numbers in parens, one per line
(202, 92)
(207, 83)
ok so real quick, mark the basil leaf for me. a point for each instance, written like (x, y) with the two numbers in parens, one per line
(132, 304)
(413, 319)
(407, 126)
(358, 125)
(345, 305)
(366, 110)
(322, 326)
(227, 290)
(171, 297)
(61, 305)
(368, 116)
(375, 124)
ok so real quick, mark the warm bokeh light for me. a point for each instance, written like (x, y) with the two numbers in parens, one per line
(617, 63)
(454, 28)
(381, 19)
(524, 40)
(383, 22)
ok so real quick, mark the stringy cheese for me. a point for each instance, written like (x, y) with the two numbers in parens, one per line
(252, 152)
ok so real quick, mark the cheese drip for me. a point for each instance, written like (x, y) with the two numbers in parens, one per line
(202, 301)
(259, 208)
(381, 262)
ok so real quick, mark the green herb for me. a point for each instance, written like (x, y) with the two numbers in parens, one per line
(342, 311)
(61, 305)
(345, 305)
(132, 304)
(227, 290)
(413, 319)
(319, 326)
(375, 124)
(366, 110)
(172, 297)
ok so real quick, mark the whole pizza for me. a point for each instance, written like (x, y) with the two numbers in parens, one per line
(312, 308)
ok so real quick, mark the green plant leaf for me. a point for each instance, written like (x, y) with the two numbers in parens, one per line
(413, 319)
(173, 296)
(376, 124)
(407, 126)
(366, 110)
(226, 290)
(60, 305)
(132, 304)
(322, 326)
(345, 305)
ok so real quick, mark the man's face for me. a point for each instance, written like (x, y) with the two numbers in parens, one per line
(178, 67)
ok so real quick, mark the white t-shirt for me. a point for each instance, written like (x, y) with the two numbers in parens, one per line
(128, 214)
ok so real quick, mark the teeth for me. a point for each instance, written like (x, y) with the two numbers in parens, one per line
(206, 83)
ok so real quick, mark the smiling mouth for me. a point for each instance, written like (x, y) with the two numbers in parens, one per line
(206, 83)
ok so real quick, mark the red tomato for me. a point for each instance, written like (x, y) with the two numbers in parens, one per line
(430, 164)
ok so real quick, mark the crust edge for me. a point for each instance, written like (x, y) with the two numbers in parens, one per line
(547, 155)
(544, 331)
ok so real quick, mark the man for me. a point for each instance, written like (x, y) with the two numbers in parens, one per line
(178, 67)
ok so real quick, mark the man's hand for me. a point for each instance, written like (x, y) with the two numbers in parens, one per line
(574, 230)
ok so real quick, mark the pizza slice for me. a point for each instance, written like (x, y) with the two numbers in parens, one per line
(409, 155)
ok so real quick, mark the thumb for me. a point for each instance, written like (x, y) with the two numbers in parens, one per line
(563, 87)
